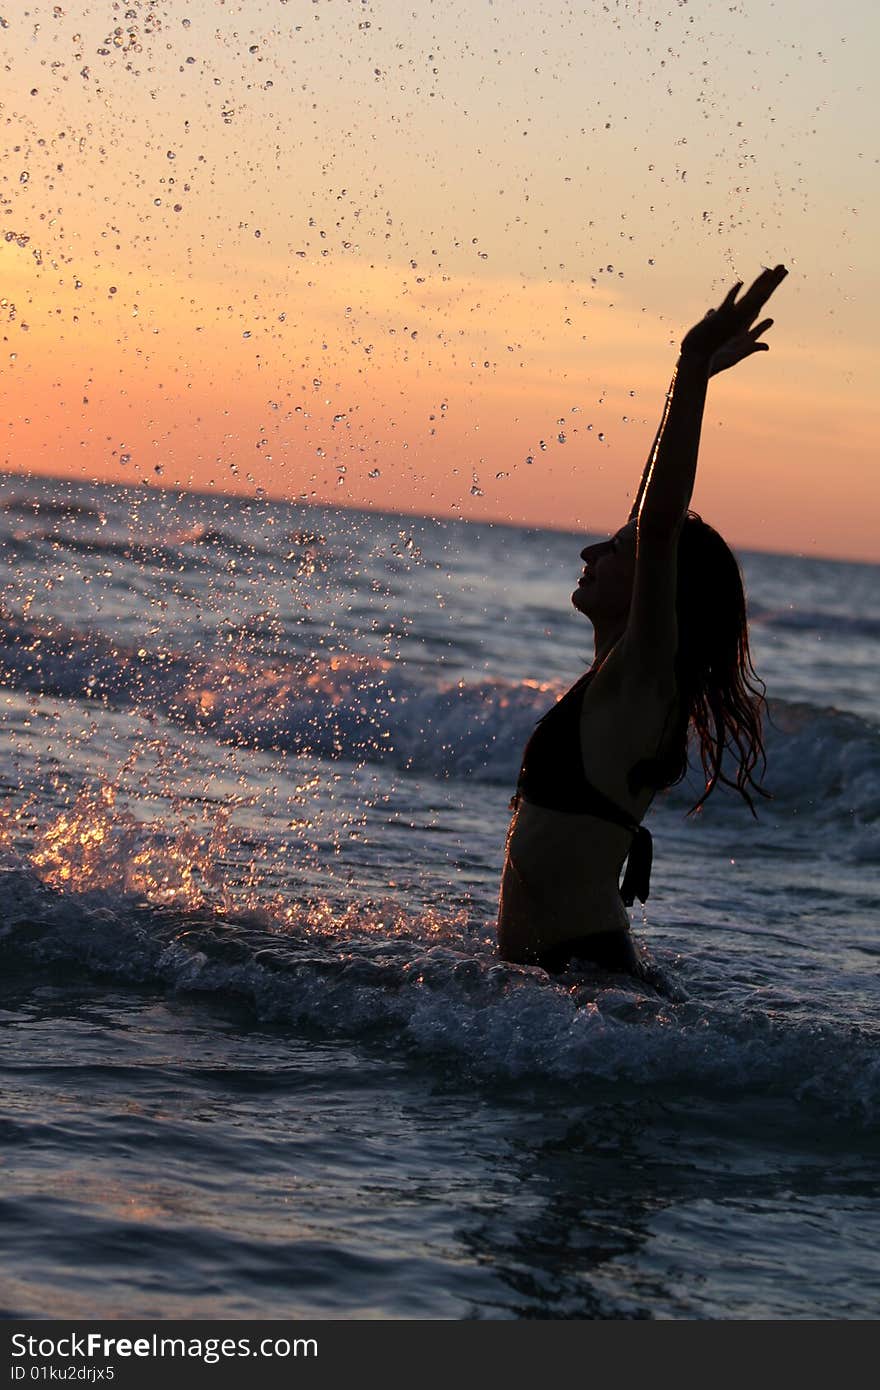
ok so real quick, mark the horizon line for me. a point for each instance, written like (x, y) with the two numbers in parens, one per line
(367, 510)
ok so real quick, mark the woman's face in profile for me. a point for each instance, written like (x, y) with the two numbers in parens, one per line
(604, 589)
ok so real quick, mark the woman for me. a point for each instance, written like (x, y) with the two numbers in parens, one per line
(666, 602)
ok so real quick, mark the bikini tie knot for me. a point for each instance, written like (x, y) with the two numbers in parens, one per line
(637, 879)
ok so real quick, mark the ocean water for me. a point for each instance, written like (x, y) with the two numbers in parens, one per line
(259, 1057)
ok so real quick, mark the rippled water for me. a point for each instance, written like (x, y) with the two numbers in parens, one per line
(260, 1057)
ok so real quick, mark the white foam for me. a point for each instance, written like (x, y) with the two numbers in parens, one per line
(427, 993)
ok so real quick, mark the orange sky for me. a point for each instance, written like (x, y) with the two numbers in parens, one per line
(385, 277)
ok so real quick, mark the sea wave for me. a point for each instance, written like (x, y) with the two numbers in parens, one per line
(196, 545)
(144, 554)
(433, 988)
(820, 620)
(356, 707)
(825, 760)
(37, 506)
(368, 709)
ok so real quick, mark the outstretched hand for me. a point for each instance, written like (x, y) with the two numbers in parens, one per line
(729, 333)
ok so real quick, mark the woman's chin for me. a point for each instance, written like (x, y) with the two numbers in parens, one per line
(581, 600)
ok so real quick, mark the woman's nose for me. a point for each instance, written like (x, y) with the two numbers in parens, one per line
(591, 552)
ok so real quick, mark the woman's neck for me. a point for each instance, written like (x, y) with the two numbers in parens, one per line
(606, 636)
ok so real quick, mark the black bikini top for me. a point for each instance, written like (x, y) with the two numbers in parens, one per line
(552, 775)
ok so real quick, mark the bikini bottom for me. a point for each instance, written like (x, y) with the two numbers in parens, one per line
(612, 950)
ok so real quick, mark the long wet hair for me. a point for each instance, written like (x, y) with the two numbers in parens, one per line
(720, 694)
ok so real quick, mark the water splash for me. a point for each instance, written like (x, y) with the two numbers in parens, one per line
(95, 845)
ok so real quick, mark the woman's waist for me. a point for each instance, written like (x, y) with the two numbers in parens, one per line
(542, 906)
(579, 839)
(585, 883)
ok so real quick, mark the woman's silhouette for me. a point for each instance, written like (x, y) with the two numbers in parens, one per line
(666, 601)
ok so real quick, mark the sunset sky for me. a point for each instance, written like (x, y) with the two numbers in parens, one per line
(437, 257)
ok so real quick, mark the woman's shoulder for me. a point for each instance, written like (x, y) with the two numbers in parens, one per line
(621, 680)
(625, 730)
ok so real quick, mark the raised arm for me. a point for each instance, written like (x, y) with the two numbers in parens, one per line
(725, 336)
(734, 350)
(634, 509)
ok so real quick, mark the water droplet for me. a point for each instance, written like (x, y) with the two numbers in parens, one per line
(561, 436)
(601, 436)
(24, 176)
(125, 458)
(530, 458)
(374, 473)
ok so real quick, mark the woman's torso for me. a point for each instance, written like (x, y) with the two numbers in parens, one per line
(562, 866)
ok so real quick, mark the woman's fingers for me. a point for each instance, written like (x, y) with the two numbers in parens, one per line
(760, 290)
(755, 297)
(729, 328)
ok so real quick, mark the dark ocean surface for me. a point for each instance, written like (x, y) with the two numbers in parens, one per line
(258, 1055)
